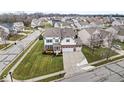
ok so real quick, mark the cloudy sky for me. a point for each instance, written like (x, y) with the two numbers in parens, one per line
(63, 6)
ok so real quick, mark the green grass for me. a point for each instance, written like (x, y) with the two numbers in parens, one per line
(5, 72)
(109, 61)
(37, 64)
(99, 53)
(47, 25)
(52, 78)
(15, 37)
(8, 46)
(3, 46)
(27, 32)
(117, 42)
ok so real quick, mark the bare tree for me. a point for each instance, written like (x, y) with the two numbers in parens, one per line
(4, 37)
(110, 44)
(96, 40)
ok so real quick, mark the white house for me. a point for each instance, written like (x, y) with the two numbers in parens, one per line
(34, 23)
(61, 40)
(117, 23)
(4, 32)
(18, 26)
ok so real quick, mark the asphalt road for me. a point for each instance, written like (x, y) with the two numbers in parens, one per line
(113, 72)
(6, 56)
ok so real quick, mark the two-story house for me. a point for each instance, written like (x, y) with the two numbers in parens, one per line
(61, 40)
(94, 35)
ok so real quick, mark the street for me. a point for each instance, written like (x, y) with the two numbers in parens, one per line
(6, 56)
(113, 72)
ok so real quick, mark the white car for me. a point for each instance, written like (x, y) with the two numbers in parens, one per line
(117, 47)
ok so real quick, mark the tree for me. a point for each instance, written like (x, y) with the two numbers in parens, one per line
(96, 41)
(110, 44)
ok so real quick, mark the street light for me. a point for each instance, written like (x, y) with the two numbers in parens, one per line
(10, 73)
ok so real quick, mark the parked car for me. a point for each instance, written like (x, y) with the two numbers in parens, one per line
(117, 47)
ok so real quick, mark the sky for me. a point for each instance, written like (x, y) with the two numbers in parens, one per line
(64, 6)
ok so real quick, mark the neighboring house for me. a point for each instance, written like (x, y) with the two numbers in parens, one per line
(56, 23)
(118, 23)
(120, 34)
(61, 40)
(112, 30)
(67, 25)
(9, 26)
(84, 24)
(77, 24)
(89, 34)
(18, 26)
(34, 23)
(4, 32)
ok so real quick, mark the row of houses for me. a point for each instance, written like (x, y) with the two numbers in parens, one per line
(99, 34)
(91, 30)
(7, 29)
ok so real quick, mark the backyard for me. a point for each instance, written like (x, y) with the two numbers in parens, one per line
(37, 64)
(98, 54)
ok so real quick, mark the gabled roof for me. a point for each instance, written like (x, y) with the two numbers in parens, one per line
(4, 29)
(59, 32)
(120, 30)
(8, 25)
(101, 31)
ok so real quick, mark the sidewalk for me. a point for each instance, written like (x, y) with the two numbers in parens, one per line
(14, 67)
(8, 79)
(104, 59)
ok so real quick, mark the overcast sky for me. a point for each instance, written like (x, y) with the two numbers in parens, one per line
(63, 6)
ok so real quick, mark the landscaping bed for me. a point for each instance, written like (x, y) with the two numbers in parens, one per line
(37, 64)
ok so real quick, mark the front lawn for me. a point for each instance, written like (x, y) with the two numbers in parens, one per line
(98, 54)
(37, 64)
(15, 37)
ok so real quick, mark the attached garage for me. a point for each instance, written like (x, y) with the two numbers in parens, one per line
(67, 49)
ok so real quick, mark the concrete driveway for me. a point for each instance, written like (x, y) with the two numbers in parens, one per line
(74, 62)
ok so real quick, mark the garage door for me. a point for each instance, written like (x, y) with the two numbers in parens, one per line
(67, 49)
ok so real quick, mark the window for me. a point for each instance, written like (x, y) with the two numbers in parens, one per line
(49, 40)
(67, 40)
(56, 40)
